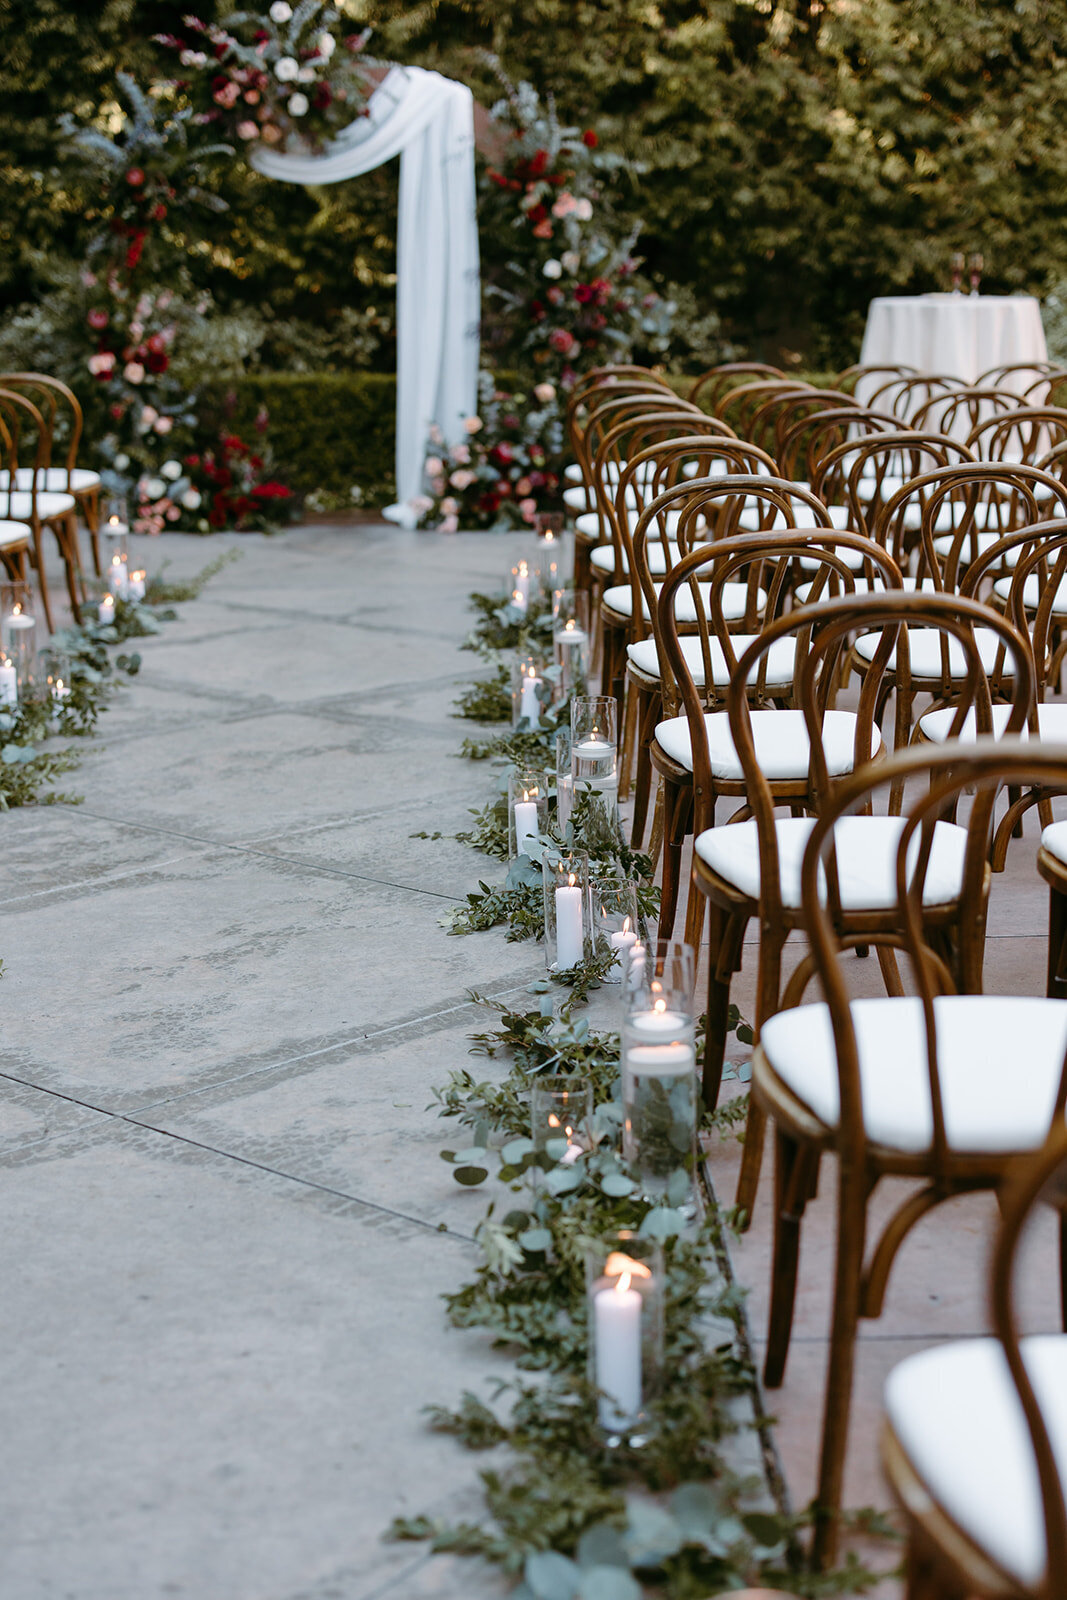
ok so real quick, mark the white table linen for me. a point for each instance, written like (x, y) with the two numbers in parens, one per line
(955, 335)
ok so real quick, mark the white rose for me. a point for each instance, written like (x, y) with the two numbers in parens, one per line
(280, 11)
(121, 462)
(583, 210)
(571, 260)
(327, 44)
(133, 372)
(298, 104)
(155, 488)
(306, 75)
(286, 69)
(552, 269)
(191, 499)
(544, 392)
(171, 469)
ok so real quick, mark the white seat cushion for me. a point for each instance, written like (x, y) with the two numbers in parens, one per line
(1054, 840)
(19, 505)
(866, 859)
(572, 472)
(13, 533)
(863, 586)
(619, 598)
(578, 499)
(780, 739)
(956, 1412)
(750, 520)
(924, 646)
(603, 558)
(995, 1097)
(1032, 593)
(1051, 722)
(780, 658)
(54, 479)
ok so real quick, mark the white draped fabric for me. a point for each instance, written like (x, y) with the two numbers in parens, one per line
(428, 121)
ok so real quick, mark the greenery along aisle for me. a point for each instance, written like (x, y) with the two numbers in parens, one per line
(78, 676)
(565, 1517)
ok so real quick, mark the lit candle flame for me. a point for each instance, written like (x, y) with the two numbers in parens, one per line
(623, 1284)
(660, 1006)
(59, 684)
(553, 1120)
(571, 880)
(569, 628)
(16, 609)
(626, 925)
(525, 796)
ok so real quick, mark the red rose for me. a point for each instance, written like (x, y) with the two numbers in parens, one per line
(157, 342)
(135, 177)
(584, 293)
(192, 461)
(562, 341)
(97, 318)
(322, 96)
(589, 139)
(501, 454)
(158, 211)
(537, 214)
(117, 411)
(537, 311)
(157, 361)
(260, 36)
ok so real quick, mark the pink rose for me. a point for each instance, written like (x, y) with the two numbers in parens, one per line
(227, 95)
(543, 230)
(173, 514)
(247, 130)
(473, 425)
(523, 486)
(462, 479)
(562, 341)
(449, 506)
(449, 525)
(164, 424)
(97, 318)
(102, 364)
(544, 392)
(434, 466)
(528, 509)
(461, 454)
(133, 372)
(565, 205)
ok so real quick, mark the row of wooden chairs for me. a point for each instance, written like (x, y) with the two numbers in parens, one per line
(772, 607)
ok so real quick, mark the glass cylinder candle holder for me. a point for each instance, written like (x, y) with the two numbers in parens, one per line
(527, 814)
(527, 687)
(594, 735)
(561, 1114)
(660, 1091)
(136, 584)
(18, 631)
(570, 642)
(566, 891)
(564, 782)
(56, 673)
(624, 1289)
(660, 970)
(520, 584)
(550, 560)
(614, 918)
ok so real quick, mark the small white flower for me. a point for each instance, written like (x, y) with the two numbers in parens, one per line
(327, 44)
(552, 269)
(155, 488)
(286, 69)
(280, 11)
(544, 392)
(191, 499)
(298, 104)
(121, 461)
(133, 372)
(171, 469)
(571, 260)
(306, 75)
(583, 210)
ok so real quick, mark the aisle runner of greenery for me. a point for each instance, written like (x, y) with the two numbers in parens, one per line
(569, 1519)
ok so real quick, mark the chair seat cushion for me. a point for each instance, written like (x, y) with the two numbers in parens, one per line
(924, 647)
(863, 586)
(780, 739)
(603, 558)
(1054, 840)
(54, 479)
(13, 533)
(1032, 593)
(995, 1098)
(619, 598)
(780, 659)
(956, 1413)
(750, 520)
(578, 498)
(19, 505)
(1051, 722)
(866, 859)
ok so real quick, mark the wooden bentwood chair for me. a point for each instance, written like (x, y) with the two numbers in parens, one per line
(909, 1086)
(975, 1437)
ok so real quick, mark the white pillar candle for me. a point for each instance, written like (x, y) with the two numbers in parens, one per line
(118, 576)
(9, 684)
(660, 1060)
(106, 609)
(570, 944)
(136, 586)
(60, 690)
(115, 528)
(529, 705)
(658, 1024)
(617, 1332)
(16, 622)
(623, 941)
(593, 759)
(519, 600)
(521, 583)
(526, 830)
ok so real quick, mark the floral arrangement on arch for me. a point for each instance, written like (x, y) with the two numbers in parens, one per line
(289, 76)
(565, 291)
(222, 486)
(506, 469)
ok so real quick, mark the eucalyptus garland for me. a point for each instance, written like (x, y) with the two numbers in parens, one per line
(565, 1517)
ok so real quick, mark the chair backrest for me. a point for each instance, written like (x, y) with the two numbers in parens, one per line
(28, 443)
(594, 429)
(775, 417)
(869, 378)
(597, 387)
(1035, 1179)
(865, 472)
(935, 778)
(1024, 433)
(1008, 493)
(960, 411)
(903, 396)
(738, 406)
(58, 405)
(717, 381)
(994, 377)
(1037, 557)
(809, 439)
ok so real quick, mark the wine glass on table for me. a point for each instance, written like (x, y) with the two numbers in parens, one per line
(957, 264)
(976, 264)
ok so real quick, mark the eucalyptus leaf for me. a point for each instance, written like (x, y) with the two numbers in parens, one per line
(536, 1239)
(617, 1185)
(561, 1180)
(767, 1530)
(469, 1177)
(601, 1546)
(551, 1576)
(662, 1223)
(515, 1149)
(652, 1534)
(608, 1583)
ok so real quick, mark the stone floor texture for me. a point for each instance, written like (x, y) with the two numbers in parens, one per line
(225, 1002)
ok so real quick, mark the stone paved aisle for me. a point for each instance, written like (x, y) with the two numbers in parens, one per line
(226, 1227)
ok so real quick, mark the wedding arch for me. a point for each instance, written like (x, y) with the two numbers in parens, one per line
(428, 121)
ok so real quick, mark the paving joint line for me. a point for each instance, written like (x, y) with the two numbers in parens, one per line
(230, 1155)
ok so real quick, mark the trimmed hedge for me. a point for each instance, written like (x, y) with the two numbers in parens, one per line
(327, 430)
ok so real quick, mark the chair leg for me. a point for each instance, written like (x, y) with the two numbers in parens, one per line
(66, 532)
(1056, 986)
(767, 992)
(629, 736)
(42, 580)
(694, 916)
(851, 1236)
(647, 716)
(91, 511)
(677, 804)
(725, 936)
(792, 1187)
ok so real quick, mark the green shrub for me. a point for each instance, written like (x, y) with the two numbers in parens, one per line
(327, 430)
